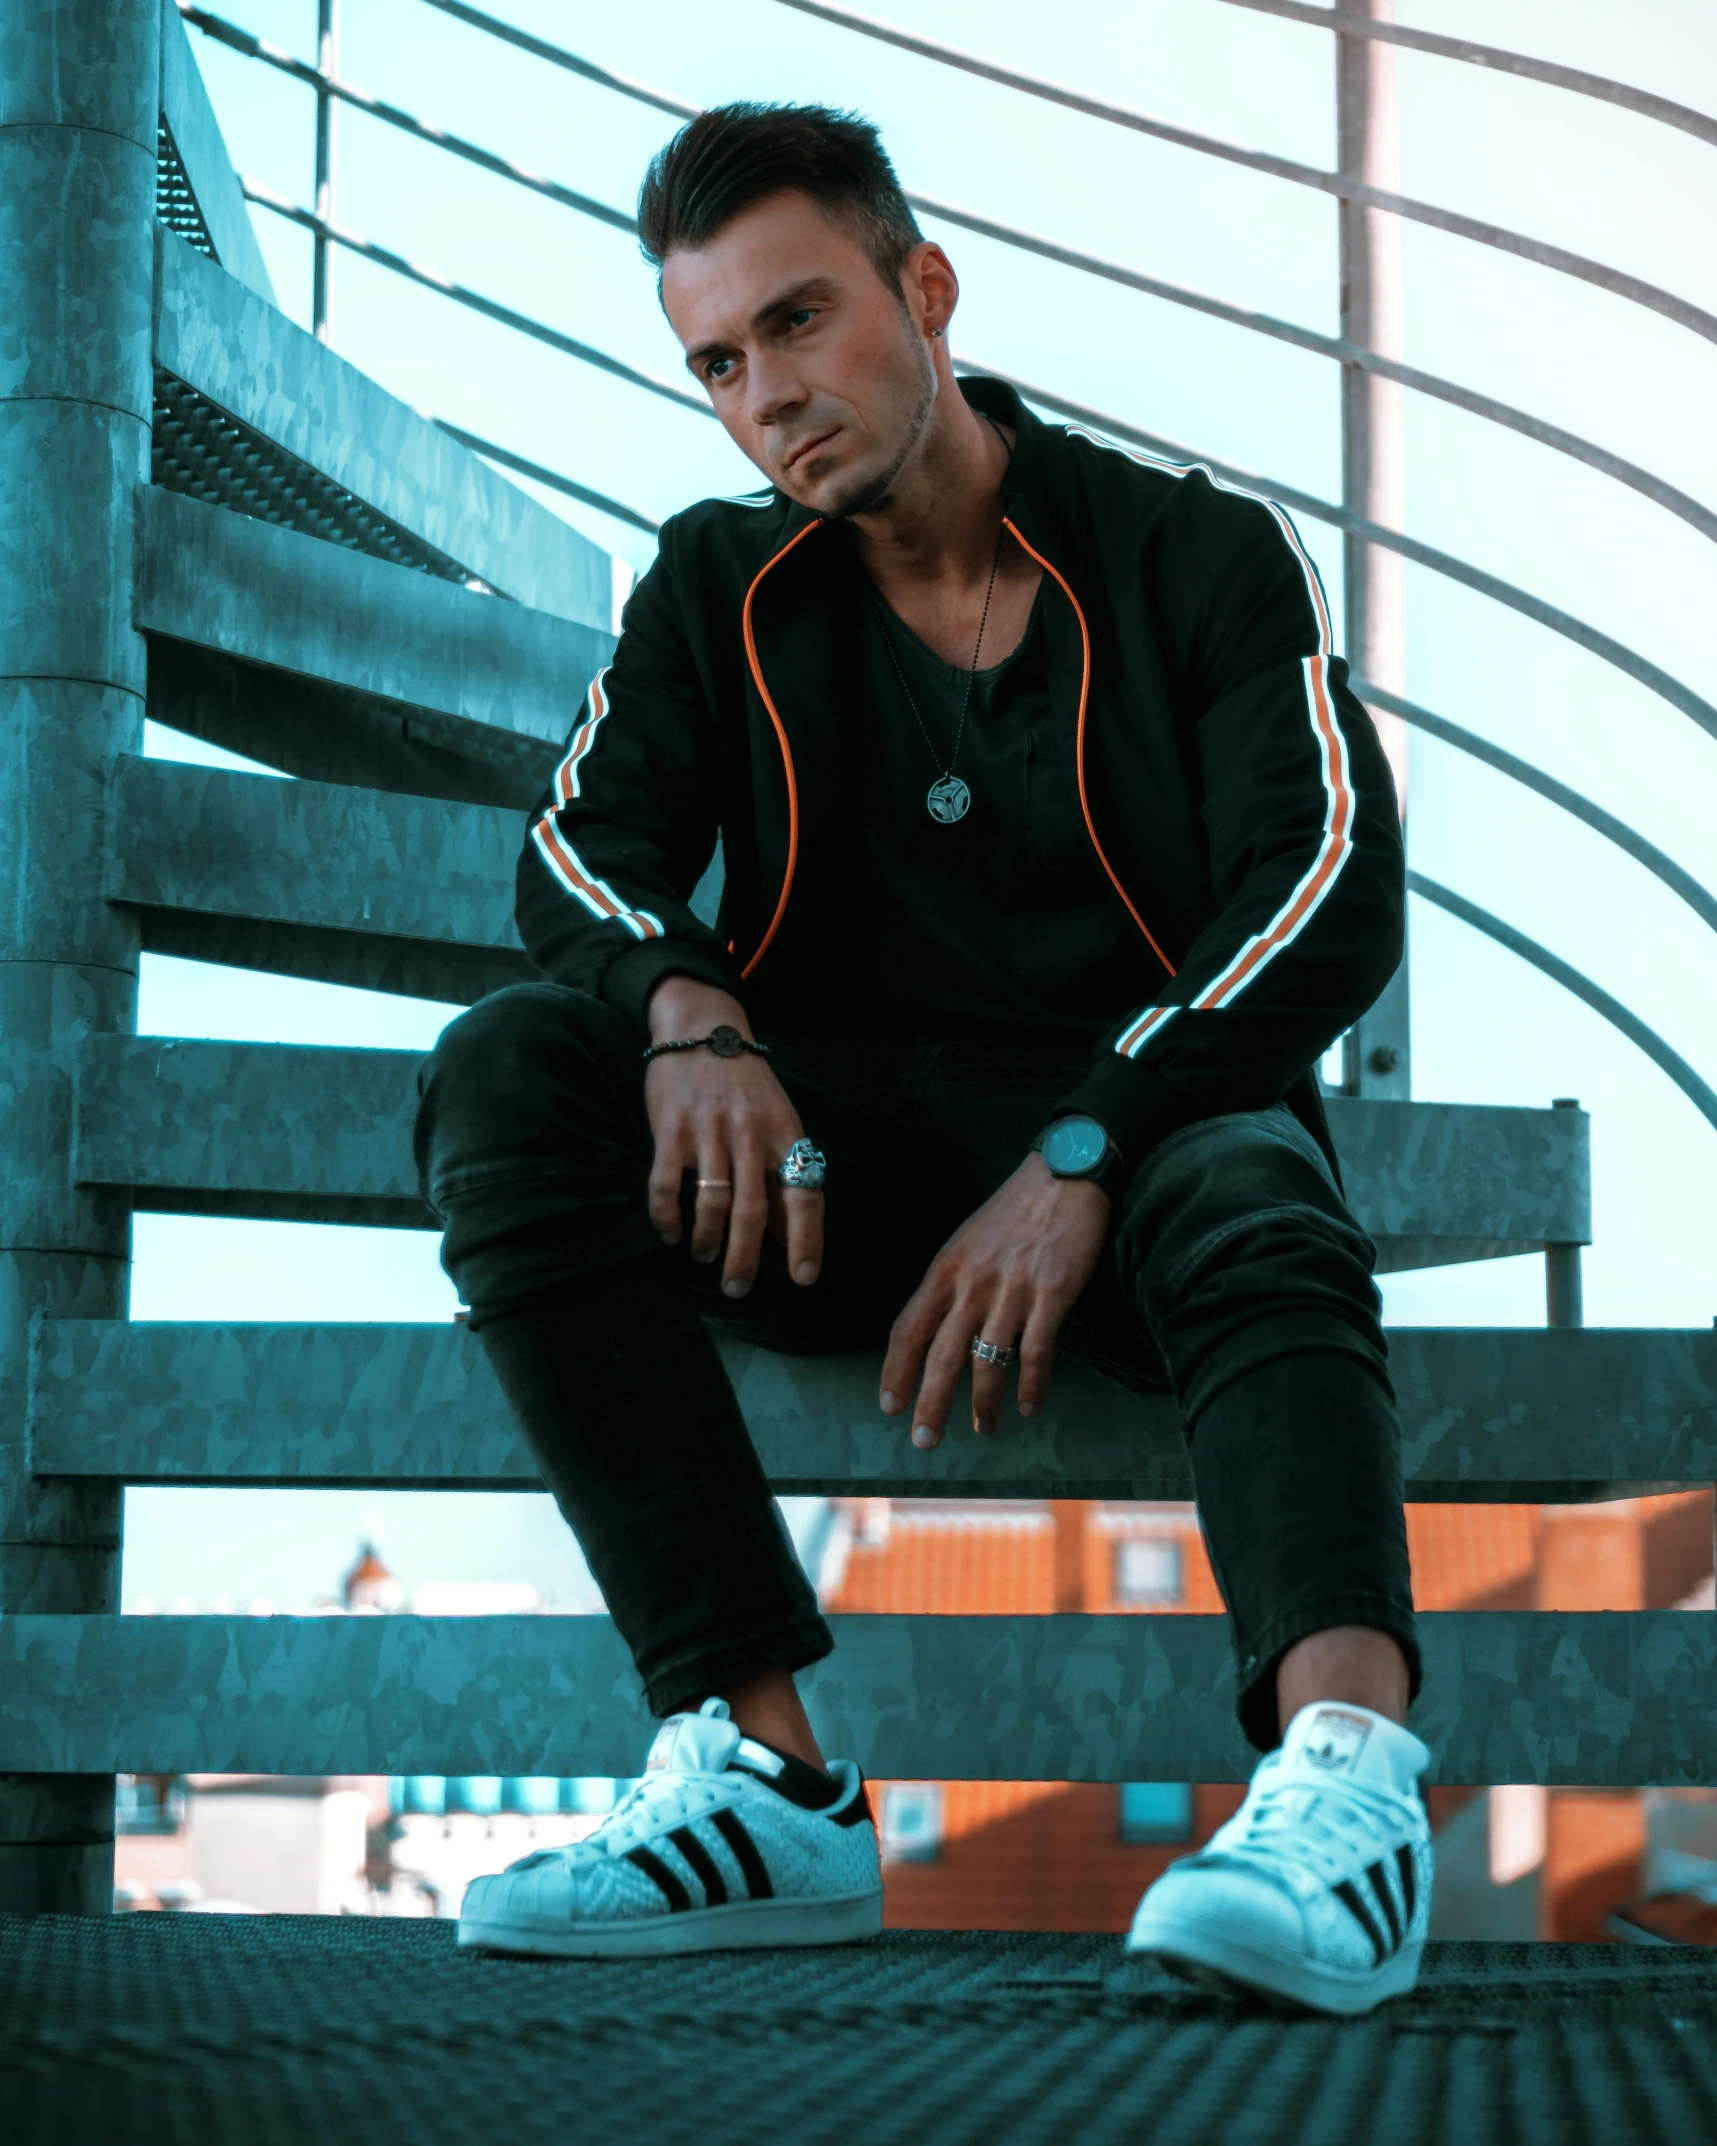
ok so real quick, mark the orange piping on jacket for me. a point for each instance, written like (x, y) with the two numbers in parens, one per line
(786, 750)
(1084, 696)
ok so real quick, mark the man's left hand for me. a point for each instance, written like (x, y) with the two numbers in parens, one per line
(1010, 1275)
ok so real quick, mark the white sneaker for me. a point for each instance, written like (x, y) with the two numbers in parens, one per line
(701, 1855)
(1318, 1890)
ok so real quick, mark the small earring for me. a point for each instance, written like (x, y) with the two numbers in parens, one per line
(936, 331)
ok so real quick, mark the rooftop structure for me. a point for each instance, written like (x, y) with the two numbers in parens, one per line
(209, 517)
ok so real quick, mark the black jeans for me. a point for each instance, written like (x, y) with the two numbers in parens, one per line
(1235, 1277)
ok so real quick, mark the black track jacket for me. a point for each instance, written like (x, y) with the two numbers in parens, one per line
(1234, 792)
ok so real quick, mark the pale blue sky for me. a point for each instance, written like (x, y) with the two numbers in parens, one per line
(1486, 1027)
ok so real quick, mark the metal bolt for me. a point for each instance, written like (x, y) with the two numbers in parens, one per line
(1385, 1058)
(1565, 1102)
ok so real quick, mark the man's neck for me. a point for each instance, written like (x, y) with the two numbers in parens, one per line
(942, 517)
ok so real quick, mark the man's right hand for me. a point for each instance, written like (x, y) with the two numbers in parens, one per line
(728, 1120)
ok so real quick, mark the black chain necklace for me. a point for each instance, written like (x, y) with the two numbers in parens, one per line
(949, 798)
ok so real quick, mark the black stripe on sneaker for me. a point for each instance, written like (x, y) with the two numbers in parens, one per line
(672, 1891)
(1409, 1877)
(1386, 1901)
(1362, 1915)
(732, 1830)
(703, 1866)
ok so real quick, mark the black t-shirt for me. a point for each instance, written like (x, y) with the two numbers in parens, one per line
(962, 929)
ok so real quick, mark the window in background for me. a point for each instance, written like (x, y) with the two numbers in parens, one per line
(911, 1822)
(1155, 1811)
(1149, 1572)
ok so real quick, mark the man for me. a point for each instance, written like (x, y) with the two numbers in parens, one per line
(1056, 853)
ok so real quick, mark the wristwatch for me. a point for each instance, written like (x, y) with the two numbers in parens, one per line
(1079, 1147)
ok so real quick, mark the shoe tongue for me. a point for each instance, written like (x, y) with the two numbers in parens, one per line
(695, 1743)
(1352, 1743)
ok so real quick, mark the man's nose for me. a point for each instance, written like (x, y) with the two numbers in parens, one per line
(775, 391)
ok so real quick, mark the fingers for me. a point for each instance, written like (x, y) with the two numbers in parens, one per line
(908, 1339)
(717, 1192)
(990, 1381)
(747, 1217)
(673, 1158)
(944, 1361)
(804, 1217)
(1036, 1355)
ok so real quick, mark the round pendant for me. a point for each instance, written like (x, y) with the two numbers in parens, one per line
(949, 800)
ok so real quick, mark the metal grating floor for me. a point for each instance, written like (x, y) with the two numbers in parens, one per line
(210, 2028)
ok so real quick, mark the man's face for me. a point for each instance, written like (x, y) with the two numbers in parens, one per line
(819, 372)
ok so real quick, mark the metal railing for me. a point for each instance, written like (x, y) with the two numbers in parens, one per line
(1367, 537)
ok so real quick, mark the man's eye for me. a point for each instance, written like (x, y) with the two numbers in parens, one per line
(716, 368)
(800, 314)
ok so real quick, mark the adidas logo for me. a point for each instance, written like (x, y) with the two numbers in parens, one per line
(1335, 1741)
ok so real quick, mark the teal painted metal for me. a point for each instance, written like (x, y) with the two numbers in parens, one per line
(540, 473)
(1601, 1701)
(505, 680)
(309, 1133)
(352, 886)
(245, 355)
(1487, 1413)
(316, 1132)
(78, 128)
(328, 733)
(190, 119)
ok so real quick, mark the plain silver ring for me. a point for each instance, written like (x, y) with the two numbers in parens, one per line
(715, 1184)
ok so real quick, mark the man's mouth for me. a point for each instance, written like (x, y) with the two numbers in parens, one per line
(809, 447)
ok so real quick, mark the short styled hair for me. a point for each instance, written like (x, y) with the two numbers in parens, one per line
(721, 162)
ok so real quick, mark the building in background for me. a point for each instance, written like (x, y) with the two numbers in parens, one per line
(339, 1844)
(1512, 1862)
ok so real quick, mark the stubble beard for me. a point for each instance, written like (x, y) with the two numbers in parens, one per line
(870, 492)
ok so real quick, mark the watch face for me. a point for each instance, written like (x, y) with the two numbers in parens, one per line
(1074, 1146)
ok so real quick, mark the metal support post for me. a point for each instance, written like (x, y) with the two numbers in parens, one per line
(77, 204)
(327, 114)
(1563, 1304)
(1377, 1059)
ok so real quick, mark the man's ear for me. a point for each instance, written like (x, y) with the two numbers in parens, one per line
(929, 286)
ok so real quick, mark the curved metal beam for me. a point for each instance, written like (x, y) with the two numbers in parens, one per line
(557, 56)
(432, 279)
(1625, 659)
(540, 474)
(1702, 1097)
(1607, 464)
(1698, 898)
(1679, 503)
(258, 48)
(1496, 60)
(1617, 281)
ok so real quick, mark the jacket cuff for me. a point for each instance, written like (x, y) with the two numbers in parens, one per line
(1135, 1106)
(631, 976)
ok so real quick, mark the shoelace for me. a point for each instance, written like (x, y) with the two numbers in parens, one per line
(1312, 1825)
(649, 1806)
